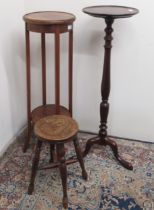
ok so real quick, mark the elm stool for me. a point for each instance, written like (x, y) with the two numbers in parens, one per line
(56, 130)
(56, 23)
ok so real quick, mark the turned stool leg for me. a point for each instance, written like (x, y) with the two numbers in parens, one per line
(63, 172)
(52, 147)
(80, 158)
(34, 167)
(28, 76)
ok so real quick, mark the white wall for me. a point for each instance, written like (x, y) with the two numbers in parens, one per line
(132, 100)
(12, 72)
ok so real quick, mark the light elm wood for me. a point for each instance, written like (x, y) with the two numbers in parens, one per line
(56, 128)
(49, 17)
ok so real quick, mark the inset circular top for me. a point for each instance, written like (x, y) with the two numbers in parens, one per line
(56, 128)
(104, 11)
(49, 17)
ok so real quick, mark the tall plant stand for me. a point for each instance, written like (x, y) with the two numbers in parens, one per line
(43, 23)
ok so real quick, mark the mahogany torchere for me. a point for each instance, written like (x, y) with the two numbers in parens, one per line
(54, 23)
(109, 13)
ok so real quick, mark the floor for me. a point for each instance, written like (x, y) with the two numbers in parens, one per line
(109, 185)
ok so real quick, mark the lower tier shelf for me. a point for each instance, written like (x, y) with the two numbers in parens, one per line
(47, 110)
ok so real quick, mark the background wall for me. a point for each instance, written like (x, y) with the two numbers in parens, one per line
(12, 72)
(131, 100)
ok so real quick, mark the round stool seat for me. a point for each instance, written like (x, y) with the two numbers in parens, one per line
(49, 17)
(56, 128)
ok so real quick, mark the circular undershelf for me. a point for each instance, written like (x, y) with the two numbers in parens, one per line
(47, 110)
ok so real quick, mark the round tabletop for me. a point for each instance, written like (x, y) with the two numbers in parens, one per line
(104, 11)
(49, 17)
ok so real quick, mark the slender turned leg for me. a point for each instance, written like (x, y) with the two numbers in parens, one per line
(80, 158)
(34, 167)
(26, 143)
(43, 49)
(104, 106)
(63, 172)
(70, 74)
(52, 147)
(57, 71)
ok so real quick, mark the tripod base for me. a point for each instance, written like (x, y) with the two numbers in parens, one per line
(107, 141)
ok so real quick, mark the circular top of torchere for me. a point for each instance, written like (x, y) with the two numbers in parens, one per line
(110, 11)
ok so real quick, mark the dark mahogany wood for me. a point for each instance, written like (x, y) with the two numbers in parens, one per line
(34, 166)
(109, 13)
(105, 87)
(48, 22)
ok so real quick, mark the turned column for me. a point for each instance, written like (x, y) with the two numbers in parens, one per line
(105, 86)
